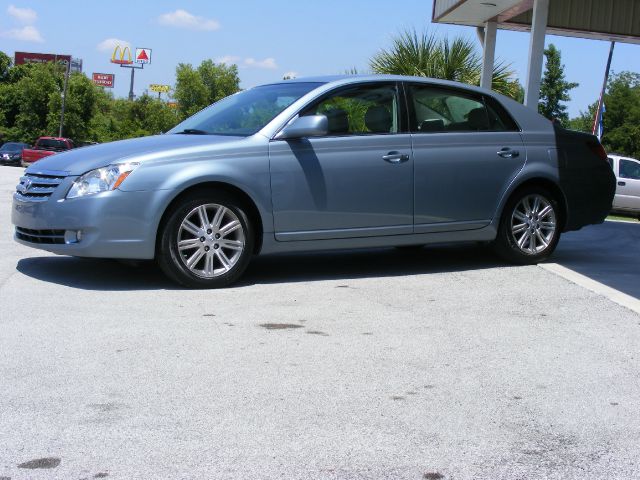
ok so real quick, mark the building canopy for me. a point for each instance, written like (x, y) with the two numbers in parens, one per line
(617, 20)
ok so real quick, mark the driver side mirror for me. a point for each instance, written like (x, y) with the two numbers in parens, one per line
(307, 126)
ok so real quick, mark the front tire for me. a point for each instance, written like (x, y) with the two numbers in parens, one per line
(206, 242)
(530, 227)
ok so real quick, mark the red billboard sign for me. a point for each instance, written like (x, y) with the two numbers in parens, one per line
(28, 57)
(103, 79)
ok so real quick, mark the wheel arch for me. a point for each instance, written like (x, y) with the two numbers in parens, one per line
(243, 197)
(545, 183)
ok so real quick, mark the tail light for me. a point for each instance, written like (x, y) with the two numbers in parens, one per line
(598, 149)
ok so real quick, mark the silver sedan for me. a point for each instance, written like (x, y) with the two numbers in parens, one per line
(320, 163)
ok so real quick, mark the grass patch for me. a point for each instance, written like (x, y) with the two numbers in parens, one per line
(620, 217)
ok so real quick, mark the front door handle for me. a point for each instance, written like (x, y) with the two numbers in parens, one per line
(622, 184)
(395, 157)
(506, 152)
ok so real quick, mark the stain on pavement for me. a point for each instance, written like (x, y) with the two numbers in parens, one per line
(279, 326)
(433, 476)
(48, 462)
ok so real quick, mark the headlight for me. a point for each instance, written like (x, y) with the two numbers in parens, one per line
(101, 180)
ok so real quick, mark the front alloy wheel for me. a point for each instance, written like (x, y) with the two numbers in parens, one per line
(210, 240)
(206, 242)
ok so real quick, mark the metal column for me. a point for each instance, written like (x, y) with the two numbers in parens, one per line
(536, 53)
(488, 54)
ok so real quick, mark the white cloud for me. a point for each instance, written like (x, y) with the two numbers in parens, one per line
(24, 34)
(290, 75)
(249, 62)
(110, 44)
(23, 15)
(228, 59)
(183, 19)
(269, 63)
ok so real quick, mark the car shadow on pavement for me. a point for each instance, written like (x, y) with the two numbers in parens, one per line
(111, 275)
(607, 253)
(95, 274)
(370, 263)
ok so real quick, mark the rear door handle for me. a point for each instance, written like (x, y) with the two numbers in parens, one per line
(395, 157)
(506, 152)
(622, 184)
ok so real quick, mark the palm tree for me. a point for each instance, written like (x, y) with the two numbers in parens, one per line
(424, 55)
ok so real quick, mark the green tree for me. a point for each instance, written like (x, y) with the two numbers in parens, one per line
(584, 121)
(31, 100)
(80, 108)
(25, 99)
(425, 55)
(200, 87)
(146, 115)
(518, 93)
(5, 66)
(103, 127)
(622, 114)
(554, 89)
(220, 79)
(190, 91)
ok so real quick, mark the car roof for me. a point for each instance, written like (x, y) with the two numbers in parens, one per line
(346, 79)
(619, 156)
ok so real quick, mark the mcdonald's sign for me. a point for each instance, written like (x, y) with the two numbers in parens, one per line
(121, 56)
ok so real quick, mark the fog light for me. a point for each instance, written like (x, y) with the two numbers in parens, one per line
(72, 236)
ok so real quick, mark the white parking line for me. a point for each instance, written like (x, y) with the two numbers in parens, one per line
(621, 221)
(612, 294)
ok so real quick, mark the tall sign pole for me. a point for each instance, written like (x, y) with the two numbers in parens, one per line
(596, 120)
(133, 71)
(122, 56)
(64, 98)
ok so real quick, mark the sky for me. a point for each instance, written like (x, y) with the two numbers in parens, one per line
(266, 39)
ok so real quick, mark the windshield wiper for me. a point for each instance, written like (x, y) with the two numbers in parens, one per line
(192, 131)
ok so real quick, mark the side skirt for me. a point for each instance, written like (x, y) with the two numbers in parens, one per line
(271, 245)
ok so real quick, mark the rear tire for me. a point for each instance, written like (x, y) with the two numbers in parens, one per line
(530, 227)
(206, 242)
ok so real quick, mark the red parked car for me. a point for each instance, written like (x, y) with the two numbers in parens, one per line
(44, 147)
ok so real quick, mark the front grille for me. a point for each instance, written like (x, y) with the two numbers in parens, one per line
(37, 187)
(40, 236)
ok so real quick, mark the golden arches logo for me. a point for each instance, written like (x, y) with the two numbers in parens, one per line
(121, 56)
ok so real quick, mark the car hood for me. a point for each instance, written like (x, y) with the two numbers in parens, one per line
(81, 160)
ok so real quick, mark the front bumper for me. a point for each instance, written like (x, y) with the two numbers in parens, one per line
(9, 162)
(113, 224)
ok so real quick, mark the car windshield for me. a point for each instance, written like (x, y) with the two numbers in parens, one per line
(244, 113)
(51, 144)
(11, 147)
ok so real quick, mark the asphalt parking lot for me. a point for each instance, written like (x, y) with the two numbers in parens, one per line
(381, 364)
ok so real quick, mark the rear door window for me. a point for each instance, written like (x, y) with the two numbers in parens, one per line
(435, 109)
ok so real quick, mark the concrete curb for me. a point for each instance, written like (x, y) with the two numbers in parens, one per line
(612, 294)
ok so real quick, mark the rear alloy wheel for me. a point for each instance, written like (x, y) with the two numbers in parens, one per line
(206, 243)
(530, 228)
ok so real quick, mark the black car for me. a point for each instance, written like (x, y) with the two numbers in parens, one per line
(11, 153)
